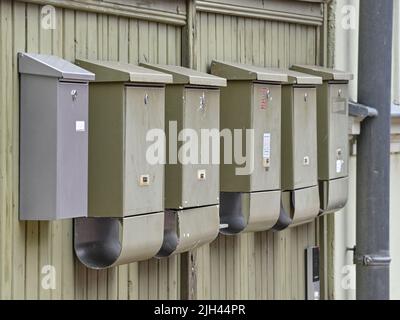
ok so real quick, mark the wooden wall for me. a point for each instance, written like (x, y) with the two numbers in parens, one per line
(263, 265)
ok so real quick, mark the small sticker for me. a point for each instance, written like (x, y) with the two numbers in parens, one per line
(339, 166)
(80, 126)
(267, 146)
(144, 180)
(306, 161)
(201, 174)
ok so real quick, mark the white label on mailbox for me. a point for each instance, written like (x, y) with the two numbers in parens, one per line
(80, 126)
(267, 146)
(339, 164)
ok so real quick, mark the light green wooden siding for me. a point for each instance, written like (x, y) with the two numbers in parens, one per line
(27, 246)
(264, 265)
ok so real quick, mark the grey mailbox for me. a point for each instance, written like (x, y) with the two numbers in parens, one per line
(333, 141)
(252, 100)
(53, 138)
(300, 195)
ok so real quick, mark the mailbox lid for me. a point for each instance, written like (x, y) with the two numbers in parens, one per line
(299, 78)
(266, 122)
(182, 75)
(200, 182)
(338, 137)
(72, 150)
(327, 74)
(237, 71)
(143, 181)
(51, 66)
(113, 71)
(305, 169)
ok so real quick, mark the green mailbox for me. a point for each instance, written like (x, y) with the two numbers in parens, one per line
(191, 182)
(126, 192)
(333, 149)
(250, 201)
(300, 196)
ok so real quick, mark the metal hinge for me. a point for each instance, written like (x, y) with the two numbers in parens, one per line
(370, 259)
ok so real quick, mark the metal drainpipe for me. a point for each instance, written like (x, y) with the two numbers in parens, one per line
(373, 151)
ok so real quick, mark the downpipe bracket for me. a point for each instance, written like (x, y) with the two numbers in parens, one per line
(370, 260)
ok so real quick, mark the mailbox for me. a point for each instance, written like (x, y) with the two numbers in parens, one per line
(192, 187)
(333, 150)
(53, 138)
(252, 100)
(300, 196)
(126, 190)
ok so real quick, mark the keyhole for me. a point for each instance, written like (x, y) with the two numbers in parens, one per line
(339, 93)
(74, 94)
(305, 97)
(203, 102)
(146, 99)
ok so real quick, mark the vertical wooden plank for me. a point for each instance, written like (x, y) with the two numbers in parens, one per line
(270, 265)
(81, 36)
(162, 44)
(264, 265)
(279, 264)
(230, 273)
(244, 267)
(123, 40)
(261, 40)
(163, 279)
(32, 232)
(251, 253)
(268, 43)
(292, 44)
(68, 260)
(6, 154)
(227, 40)
(102, 281)
(241, 40)
(112, 283)
(219, 37)
(248, 40)
(212, 41)
(19, 227)
(133, 286)
(214, 269)
(203, 41)
(274, 44)
(92, 284)
(258, 277)
(113, 38)
(237, 267)
(92, 41)
(254, 29)
(153, 42)
(173, 283)
(133, 41)
(143, 280)
(143, 41)
(153, 278)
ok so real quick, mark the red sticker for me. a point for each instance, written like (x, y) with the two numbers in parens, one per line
(264, 93)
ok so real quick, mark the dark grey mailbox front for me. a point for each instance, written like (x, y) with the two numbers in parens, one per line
(53, 138)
